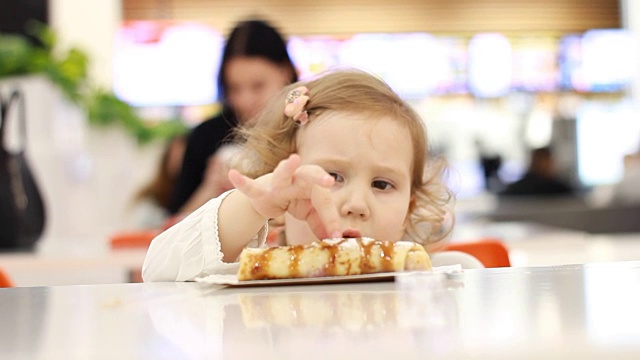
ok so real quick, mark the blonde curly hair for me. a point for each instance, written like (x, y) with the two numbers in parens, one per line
(271, 138)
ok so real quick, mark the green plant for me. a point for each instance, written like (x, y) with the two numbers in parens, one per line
(68, 71)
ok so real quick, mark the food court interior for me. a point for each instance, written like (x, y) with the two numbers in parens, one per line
(492, 79)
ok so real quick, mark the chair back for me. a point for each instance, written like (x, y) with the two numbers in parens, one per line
(490, 252)
(135, 239)
(132, 239)
(5, 281)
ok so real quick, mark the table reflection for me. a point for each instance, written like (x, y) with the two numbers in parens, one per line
(21, 316)
(288, 320)
(347, 310)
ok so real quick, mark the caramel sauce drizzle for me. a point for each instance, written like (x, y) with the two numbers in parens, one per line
(383, 249)
(387, 255)
(260, 268)
(366, 253)
(330, 266)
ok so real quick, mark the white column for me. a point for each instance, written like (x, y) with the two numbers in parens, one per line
(90, 26)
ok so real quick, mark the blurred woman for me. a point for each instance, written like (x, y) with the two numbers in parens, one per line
(255, 66)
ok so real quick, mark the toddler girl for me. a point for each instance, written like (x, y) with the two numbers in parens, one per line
(337, 156)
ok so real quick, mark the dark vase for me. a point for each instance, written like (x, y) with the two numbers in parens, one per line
(22, 213)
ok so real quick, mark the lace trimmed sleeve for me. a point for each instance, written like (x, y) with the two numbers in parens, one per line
(191, 248)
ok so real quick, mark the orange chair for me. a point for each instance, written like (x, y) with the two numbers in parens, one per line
(490, 252)
(5, 281)
(132, 239)
(137, 239)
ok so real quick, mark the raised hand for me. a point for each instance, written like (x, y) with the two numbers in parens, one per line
(301, 190)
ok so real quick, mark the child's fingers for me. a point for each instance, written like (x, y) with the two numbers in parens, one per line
(322, 201)
(313, 174)
(306, 177)
(283, 173)
(241, 182)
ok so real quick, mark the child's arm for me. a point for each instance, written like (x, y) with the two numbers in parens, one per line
(214, 235)
(303, 191)
(238, 222)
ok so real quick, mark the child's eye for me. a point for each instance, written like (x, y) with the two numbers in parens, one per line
(381, 184)
(336, 176)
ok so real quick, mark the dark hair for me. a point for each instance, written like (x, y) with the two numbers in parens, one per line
(254, 38)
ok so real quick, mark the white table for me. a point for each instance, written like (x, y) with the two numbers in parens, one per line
(578, 312)
(532, 244)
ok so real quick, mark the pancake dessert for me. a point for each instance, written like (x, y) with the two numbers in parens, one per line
(332, 257)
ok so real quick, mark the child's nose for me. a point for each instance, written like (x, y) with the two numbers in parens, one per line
(355, 204)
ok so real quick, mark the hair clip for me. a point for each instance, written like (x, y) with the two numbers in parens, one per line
(295, 103)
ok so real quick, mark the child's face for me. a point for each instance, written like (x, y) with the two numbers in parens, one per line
(371, 160)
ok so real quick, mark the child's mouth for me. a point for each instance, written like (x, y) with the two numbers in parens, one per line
(351, 233)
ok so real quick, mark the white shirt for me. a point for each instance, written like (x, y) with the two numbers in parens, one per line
(191, 248)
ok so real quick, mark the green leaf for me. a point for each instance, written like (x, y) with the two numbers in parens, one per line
(104, 109)
(15, 55)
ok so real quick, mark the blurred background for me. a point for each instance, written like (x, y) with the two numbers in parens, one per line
(492, 79)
